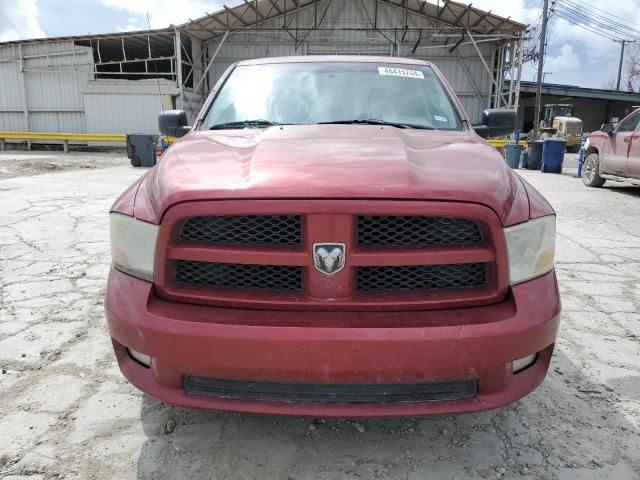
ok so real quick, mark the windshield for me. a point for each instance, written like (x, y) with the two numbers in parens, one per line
(407, 96)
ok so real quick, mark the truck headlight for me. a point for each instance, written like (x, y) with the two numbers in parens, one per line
(531, 248)
(133, 245)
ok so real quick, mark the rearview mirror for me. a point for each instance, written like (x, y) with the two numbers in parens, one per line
(607, 128)
(497, 122)
(174, 123)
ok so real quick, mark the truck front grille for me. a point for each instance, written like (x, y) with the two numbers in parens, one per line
(421, 278)
(262, 230)
(393, 231)
(436, 255)
(574, 129)
(224, 275)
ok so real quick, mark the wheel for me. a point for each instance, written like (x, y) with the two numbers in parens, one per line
(591, 171)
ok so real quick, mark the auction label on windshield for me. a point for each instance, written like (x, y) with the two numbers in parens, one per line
(400, 72)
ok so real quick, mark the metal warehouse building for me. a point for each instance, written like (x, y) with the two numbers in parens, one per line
(118, 83)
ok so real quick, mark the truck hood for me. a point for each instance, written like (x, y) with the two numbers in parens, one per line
(332, 161)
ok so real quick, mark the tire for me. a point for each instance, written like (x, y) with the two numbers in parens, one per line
(591, 171)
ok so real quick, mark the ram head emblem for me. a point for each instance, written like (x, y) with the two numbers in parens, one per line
(329, 258)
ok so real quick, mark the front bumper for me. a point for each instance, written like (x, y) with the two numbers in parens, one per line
(476, 343)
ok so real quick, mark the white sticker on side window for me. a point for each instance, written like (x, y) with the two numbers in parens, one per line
(440, 118)
(400, 72)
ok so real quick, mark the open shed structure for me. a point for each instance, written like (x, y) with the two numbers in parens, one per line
(118, 83)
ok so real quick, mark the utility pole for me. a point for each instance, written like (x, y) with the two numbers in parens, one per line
(543, 40)
(622, 45)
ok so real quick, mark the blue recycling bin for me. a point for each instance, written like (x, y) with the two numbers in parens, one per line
(553, 155)
(513, 154)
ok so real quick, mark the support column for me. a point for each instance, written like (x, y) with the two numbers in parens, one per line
(512, 65)
(178, 56)
(520, 61)
(484, 62)
(206, 70)
(25, 103)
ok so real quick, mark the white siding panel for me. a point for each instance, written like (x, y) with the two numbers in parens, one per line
(10, 86)
(117, 113)
(57, 122)
(11, 122)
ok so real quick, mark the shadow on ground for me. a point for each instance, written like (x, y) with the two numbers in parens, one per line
(566, 429)
(631, 190)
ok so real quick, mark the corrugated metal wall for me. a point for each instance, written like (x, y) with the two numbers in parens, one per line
(241, 46)
(50, 87)
(42, 86)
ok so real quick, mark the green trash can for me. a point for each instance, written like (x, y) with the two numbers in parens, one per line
(535, 155)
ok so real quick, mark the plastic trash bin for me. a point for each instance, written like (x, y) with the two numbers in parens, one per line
(524, 159)
(513, 154)
(553, 155)
(141, 149)
(535, 155)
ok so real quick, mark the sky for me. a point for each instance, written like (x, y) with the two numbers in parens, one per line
(575, 56)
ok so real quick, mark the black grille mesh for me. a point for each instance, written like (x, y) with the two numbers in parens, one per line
(224, 275)
(383, 231)
(244, 230)
(420, 278)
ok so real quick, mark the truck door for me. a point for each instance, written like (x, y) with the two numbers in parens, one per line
(615, 158)
(633, 160)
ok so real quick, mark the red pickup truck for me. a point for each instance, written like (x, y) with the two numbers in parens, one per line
(332, 237)
(613, 153)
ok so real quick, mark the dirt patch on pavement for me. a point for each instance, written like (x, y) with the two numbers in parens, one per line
(18, 164)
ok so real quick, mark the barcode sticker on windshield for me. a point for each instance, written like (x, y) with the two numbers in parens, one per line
(400, 72)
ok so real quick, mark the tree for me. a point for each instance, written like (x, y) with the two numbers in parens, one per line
(632, 67)
(630, 81)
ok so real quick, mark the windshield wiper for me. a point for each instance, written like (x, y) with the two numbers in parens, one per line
(243, 124)
(374, 121)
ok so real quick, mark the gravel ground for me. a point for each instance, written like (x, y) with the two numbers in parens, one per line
(66, 412)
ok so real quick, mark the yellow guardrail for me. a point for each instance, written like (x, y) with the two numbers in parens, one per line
(86, 137)
(503, 143)
(121, 138)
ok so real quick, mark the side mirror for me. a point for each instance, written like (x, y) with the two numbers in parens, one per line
(607, 128)
(174, 123)
(497, 122)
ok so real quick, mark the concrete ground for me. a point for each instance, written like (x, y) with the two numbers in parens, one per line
(66, 412)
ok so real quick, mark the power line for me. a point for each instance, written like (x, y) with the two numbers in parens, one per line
(605, 15)
(580, 23)
(594, 23)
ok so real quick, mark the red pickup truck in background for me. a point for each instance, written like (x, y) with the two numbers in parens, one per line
(613, 153)
(331, 237)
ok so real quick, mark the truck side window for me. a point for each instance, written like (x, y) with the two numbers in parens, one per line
(630, 124)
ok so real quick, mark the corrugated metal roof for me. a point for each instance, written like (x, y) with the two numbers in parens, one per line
(443, 15)
(449, 15)
(580, 92)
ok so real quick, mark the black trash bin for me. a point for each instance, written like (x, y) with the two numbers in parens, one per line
(141, 149)
(535, 155)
